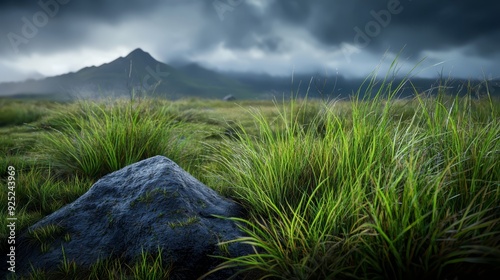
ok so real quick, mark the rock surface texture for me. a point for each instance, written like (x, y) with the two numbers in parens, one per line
(145, 206)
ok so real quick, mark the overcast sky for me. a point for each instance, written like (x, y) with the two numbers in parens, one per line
(279, 37)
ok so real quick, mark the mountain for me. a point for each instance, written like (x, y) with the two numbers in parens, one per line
(139, 73)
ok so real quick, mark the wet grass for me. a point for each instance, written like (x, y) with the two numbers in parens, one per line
(376, 188)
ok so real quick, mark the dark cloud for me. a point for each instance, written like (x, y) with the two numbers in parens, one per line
(16, 4)
(332, 22)
(293, 11)
(271, 44)
(420, 24)
(178, 29)
(66, 23)
(105, 9)
(488, 44)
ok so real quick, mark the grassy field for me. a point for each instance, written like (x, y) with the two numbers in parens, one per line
(335, 189)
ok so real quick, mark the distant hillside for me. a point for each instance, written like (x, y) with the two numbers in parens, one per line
(316, 85)
(140, 73)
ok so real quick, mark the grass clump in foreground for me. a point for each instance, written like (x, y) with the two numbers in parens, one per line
(371, 195)
(99, 138)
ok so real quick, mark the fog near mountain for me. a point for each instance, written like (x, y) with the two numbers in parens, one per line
(139, 74)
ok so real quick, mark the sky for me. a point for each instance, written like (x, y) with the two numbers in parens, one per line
(351, 38)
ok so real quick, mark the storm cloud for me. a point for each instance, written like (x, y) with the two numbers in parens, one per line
(278, 37)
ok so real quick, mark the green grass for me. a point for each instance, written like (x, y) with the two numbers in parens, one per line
(101, 138)
(376, 188)
(146, 267)
(370, 196)
(17, 112)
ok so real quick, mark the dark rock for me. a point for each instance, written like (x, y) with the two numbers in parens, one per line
(145, 206)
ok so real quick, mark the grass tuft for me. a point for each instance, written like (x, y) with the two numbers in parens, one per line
(384, 192)
(103, 137)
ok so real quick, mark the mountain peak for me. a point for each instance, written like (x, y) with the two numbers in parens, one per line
(139, 59)
(138, 53)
